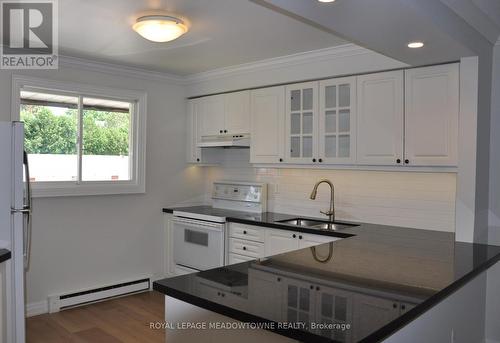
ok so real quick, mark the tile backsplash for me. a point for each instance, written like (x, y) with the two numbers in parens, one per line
(410, 199)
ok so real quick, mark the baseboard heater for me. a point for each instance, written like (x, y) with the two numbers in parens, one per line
(64, 301)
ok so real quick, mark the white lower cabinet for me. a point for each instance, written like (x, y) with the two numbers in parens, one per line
(251, 242)
(265, 294)
(373, 312)
(320, 306)
(280, 241)
(236, 258)
(307, 240)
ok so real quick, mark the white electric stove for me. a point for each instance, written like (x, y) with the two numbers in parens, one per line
(199, 231)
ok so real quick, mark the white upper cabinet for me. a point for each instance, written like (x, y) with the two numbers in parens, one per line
(225, 114)
(337, 121)
(212, 116)
(301, 123)
(431, 110)
(380, 118)
(267, 125)
(237, 112)
(193, 153)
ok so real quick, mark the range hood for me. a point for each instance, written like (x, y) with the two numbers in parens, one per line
(225, 141)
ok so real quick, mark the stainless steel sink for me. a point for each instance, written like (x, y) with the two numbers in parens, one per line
(316, 224)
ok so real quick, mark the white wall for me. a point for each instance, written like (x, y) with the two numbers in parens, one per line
(88, 241)
(408, 199)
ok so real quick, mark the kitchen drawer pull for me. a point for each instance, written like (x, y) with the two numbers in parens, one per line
(244, 232)
(244, 248)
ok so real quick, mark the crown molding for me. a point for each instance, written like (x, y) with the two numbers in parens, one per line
(345, 50)
(119, 70)
(314, 56)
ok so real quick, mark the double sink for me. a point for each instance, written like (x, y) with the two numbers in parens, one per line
(316, 224)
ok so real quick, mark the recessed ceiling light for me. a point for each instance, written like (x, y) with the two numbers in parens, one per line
(415, 45)
(160, 28)
(326, 0)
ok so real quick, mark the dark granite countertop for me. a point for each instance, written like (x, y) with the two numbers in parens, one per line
(4, 255)
(403, 271)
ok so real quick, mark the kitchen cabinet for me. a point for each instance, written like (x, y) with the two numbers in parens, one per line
(212, 115)
(266, 294)
(225, 114)
(280, 241)
(337, 121)
(251, 242)
(334, 306)
(237, 112)
(431, 115)
(380, 118)
(373, 312)
(267, 121)
(301, 123)
(236, 258)
(309, 240)
(194, 154)
(300, 301)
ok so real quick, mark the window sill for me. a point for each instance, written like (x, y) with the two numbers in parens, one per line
(95, 188)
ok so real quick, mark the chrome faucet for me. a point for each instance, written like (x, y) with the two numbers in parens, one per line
(331, 212)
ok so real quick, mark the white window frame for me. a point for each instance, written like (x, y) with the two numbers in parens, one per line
(137, 184)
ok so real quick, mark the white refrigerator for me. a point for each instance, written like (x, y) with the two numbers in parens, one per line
(15, 228)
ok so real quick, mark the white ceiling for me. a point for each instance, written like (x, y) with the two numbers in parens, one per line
(223, 33)
(386, 26)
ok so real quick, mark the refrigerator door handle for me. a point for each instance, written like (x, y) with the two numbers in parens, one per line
(27, 213)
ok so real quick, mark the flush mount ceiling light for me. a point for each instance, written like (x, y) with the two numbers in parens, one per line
(415, 45)
(160, 28)
(326, 0)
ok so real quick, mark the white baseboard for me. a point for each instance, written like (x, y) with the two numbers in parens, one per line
(35, 309)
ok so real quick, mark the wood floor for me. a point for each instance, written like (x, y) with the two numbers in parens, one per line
(120, 320)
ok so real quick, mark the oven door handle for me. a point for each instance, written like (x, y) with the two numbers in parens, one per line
(199, 224)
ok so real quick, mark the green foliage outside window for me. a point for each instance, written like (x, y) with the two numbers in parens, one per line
(104, 133)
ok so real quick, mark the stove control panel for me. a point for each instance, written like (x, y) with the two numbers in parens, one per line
(242, 194)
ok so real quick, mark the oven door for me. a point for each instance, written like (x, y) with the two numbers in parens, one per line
(198, 244)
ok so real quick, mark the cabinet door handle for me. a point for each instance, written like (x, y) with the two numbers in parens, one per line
(197, 160)
(244, 248)
(281, 160)
(314, 160)
(317, 288)
(294, 236)
(398, 160)
(403, 307)
(311, 287)
(320, 160)
(300, 237)
(394, 305)
(407, 161)
(220, 131)
(244, 232)
(222, 295)
(279, 279)
(225, 131)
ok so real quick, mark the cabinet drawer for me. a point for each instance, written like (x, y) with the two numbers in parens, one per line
(246, 248)
(246, 232)
(235, 258)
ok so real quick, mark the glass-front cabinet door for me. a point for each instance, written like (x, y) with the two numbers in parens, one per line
(299, 303)
(302, 122)
(337, 121)
(334, 309)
